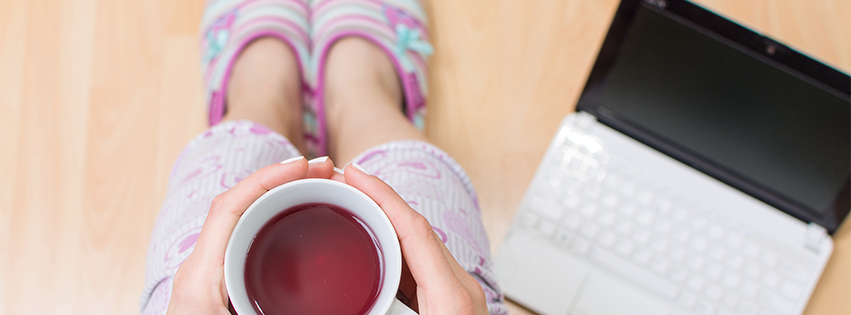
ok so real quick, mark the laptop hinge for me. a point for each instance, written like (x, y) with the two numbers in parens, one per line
(814, 237)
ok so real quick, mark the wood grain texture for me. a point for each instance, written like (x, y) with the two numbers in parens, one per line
(98, 97)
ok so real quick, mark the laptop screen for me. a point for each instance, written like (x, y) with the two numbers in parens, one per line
(706, 96)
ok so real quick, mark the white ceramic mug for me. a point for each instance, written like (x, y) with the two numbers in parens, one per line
(316, 191)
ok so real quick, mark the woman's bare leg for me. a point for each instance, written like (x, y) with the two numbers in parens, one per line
(265, 87)
(363, 100)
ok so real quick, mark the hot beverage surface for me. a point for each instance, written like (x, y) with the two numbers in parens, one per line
(313, 259)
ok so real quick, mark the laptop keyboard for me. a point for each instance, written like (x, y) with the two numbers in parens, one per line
(605, 211)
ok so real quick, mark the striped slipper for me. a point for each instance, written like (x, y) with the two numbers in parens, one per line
(396, 26)
(228, 26)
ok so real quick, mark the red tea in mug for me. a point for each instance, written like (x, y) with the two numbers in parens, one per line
(313, 259)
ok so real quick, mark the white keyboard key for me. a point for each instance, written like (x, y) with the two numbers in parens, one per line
(572, 185)
(644, 218)
(748, 308)
(571, 202)
(716, 232)
(731, 281)
(557, 180)
(574, 164)
(699, 244)
(713, 271)
(734, 241)
(581, 246)
(546, 197)
(628, 189)
(610, 201)
(592, 172)
(547, 210)
(748, 289)
(735, 262)
(659, 266)
(687, 300)
(769, 259)
(528, 219)
(771, 301)
(753, 271)
(659, 245)
(589, 210)
(792, 271)
(641, 236)
(704, 308)
(607, 239)
(662, 227)
(624, 268)
(677, 274)
(547, 227)
(713, 293)
(641, 257)
(624, 248)
(791, 290)
(644, 197)
(680, 235)
(677, 254)
(612, 180)
(715, 252)
(701, 210)
(698, 223)
(589, 231)
(695, 263)
(770, 280)
(680, 214)
(751, 249)
(730, 300)
(663, 206)
(564, 237)
(627, 210)
(624, 227)
(592, 192)
(695, 283)
(606, 219)
(571, 221)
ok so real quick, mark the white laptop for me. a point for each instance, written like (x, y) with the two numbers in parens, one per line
(703, 173)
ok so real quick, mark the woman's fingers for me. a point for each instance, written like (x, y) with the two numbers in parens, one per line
(420, 246)
(229, 206)
(477, 294)
(339, 175)
(321, 167)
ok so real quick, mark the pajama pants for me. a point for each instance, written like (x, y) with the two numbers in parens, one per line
(427, 178)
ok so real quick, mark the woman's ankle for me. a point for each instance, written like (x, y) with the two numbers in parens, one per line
(362, 99)
(265, 87)
(358, 69)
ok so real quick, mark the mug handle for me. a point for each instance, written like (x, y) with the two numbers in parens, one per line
(398, 308)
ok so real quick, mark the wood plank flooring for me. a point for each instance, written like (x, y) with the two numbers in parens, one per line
(98, 97)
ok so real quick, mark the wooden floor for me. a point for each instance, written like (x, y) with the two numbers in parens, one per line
(98, 97)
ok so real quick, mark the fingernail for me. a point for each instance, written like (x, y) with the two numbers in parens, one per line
(360, 168)
(339, 171)
(292, 159)
(318, 160)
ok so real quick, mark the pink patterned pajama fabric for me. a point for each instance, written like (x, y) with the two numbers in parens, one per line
(428, 179)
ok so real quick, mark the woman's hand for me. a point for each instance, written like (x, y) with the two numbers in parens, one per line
(199, 284)
(441, 285)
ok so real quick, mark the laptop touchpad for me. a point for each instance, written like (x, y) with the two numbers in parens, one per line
(604, 295)
(538, 274)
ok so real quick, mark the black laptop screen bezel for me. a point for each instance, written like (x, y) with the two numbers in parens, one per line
(745, 40)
